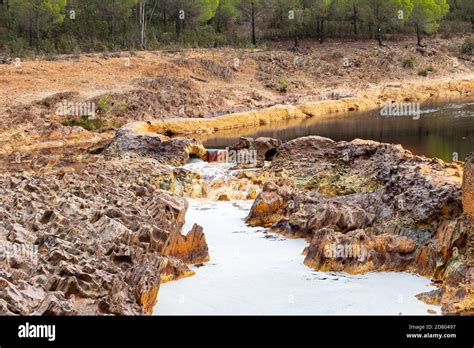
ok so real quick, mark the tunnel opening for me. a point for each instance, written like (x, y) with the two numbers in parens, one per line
(270, 154)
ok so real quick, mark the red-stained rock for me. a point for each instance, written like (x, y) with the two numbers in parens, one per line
(468, 186)
(93, 243)
(355, 252)
(263, 149)
(403, 212)
(130, 141)
(190, 248)
(273, 204)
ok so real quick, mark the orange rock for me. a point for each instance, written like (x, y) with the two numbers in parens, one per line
(191, 248)
(468, 186)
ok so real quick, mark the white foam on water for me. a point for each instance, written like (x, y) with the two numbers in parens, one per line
(429, 111)
(212, 171)
(208, 171)
(458, 105)
(253, 273)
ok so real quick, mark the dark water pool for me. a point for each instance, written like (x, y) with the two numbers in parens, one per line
(444, 130)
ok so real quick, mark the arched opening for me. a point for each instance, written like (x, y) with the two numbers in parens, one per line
(270, 154)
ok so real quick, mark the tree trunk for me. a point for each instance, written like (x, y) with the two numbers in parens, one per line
(296, 36)
(31, 32)
(355, 23)
(91, 36)
(379, 26)
(280, 14)
(37, 30)
(318, 29)
(418, 35)
(321, 33)
(179, 24)
(218, 18)
(90, 31)
(164, 20)
(379, 35)
(8, 21)
(142, 23)
(254, 37)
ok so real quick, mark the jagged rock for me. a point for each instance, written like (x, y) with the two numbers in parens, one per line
(21, 296)
(267, 147)
(4, 308)
(5, 60)
(191, 248)
(172, 269)
(56, 304)
(455, 294)
(303, 156)
(127, 140)
(273, 204)
(130, 140)
(403, 212)
(93, 243)
(355, 252)
(468, 186)
(262, 149)
(244, 143)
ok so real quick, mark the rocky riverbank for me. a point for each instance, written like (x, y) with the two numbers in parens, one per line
(44, 123)
(411, 92)
(91, 217)
(365, 206)
(101, 238)
(98, 242)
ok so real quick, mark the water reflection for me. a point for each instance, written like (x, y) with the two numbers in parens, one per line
(445, 128)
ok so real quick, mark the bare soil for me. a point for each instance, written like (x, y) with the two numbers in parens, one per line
(201, 83)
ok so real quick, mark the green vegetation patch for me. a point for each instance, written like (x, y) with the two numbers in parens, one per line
(408, 63)
(468, 46)
(50, 27)
(423, 72)
(90, 124)
(282, 85)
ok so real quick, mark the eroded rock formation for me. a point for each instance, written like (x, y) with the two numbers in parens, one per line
(365, 206)
(133, 139)
(264, 148)
(98, 242)
(102, 240)
(456, 293)
(468, 186)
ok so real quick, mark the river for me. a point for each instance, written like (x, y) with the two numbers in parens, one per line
(252, 272)
(444, 130)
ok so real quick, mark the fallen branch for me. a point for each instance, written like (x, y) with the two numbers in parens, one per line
(199, 79)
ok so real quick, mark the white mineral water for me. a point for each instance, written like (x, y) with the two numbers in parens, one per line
(251, 272)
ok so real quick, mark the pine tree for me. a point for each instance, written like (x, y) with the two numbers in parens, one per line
(37, 15)
(387, 13)
(427, 16)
